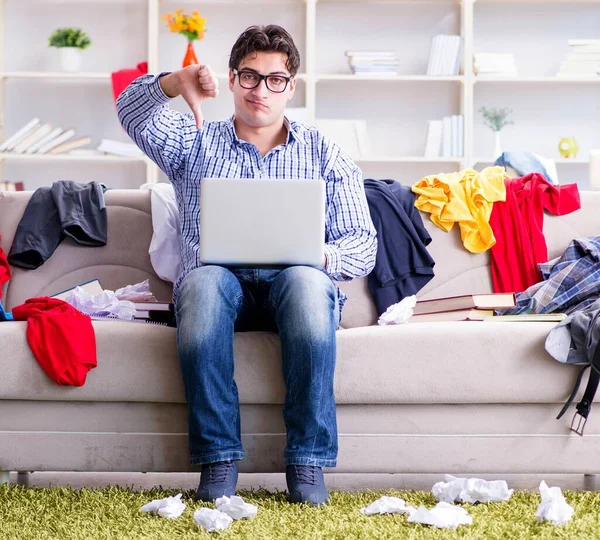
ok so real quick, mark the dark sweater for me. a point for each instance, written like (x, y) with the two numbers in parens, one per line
(403, 265)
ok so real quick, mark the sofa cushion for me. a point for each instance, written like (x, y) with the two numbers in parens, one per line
(459, 362)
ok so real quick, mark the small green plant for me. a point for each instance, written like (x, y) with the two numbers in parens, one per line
(70, 37)
(496, 118)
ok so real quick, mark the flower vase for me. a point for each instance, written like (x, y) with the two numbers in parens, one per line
(190, 55)
(497, 145)
(70, 59)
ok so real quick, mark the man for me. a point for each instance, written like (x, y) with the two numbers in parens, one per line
(302, 304)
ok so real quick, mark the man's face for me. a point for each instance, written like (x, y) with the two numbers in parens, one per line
(261, 107)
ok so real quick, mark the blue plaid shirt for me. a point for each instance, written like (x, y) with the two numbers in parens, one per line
(571, 282)
(187, 154)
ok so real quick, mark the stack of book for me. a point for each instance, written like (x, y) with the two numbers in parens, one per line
(467, 307)
(445, 56)
(162, 312)
(5, 185)
(373, 62)
(583, 60)
(117, 148)
(498, 64)
(36, 137)
(445, 137)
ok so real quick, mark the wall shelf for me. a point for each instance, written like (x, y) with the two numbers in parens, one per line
(324, 29)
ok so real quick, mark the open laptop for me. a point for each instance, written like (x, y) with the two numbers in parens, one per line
(257, 222)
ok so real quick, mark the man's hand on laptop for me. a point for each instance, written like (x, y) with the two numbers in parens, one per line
(194, 83)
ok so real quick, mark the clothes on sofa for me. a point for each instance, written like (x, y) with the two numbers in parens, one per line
(61, 338)
(524, 163)
(65, 209)
(165, 246)
(4, 269)
(466, 198)
(570, 282)
(518, 228)
(403, 266)
(4, 277)
(574, 340)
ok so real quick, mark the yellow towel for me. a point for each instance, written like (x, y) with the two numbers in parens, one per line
(466, 197)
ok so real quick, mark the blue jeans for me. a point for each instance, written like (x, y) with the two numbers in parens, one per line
(298, 302)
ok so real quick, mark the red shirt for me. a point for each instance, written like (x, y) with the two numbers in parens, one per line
(518, 227)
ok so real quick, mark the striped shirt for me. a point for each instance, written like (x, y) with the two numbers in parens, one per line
(570, 282)
(187, 154)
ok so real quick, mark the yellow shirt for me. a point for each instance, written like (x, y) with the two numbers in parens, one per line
(465, 197)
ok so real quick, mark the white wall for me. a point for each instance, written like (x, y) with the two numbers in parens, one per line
(397, 112)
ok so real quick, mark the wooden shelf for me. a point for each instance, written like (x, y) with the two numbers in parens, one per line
(547, 79)
(106, 158)
(407, 78)
(408, 159)
(54, 75)
(558, 161)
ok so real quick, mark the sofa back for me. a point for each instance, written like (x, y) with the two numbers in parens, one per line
(125, 260)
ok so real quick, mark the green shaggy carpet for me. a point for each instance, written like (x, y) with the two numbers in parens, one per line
(113, 513)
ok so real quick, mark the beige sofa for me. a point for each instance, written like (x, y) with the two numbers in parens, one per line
(462, 397)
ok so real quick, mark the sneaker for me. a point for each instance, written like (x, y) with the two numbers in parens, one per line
(217, 480)
(306, 484)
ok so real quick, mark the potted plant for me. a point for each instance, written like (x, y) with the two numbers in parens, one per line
(70, 42)
(191, 26)
(496, 120)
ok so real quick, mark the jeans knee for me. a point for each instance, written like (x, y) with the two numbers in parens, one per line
(208, 288)
(308, 299)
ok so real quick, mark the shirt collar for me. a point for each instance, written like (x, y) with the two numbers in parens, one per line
(231, 136)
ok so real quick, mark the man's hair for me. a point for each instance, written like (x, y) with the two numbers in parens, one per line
(271, 38)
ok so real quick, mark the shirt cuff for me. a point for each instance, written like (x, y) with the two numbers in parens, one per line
(334, 260)
(155, 91)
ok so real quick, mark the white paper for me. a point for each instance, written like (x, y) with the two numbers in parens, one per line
(553, 508)
(471, 490)
(400, 312)
(442, 516)
(140, 292)
(212, 520)
(169, 507)
(236, 508)
(386, 505)
(103, 304)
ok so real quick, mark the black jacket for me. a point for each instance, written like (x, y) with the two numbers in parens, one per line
(403, 265)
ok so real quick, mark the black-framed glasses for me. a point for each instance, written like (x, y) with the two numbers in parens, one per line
(250, 79)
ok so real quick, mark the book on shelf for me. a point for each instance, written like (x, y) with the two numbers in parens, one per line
(373, 62)
(499, 64)
(5, 185)
(465, 301)
(92, 287)
(44, 140)
(433, 142)
(62, 138)
(455, 315)
(33, 137)
(445, 137)
(583, 59)
(17, 137)
(70, 145)
(445, 56)
(118, 148)
(530, 317)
